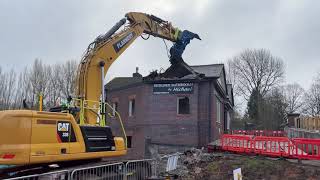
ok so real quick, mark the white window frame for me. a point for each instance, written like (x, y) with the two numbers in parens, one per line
(114, 108)
(219, 80)
(130, 107)
(218, 111)
(228, 120)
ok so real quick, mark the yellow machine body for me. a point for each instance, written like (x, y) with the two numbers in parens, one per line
(30, 137)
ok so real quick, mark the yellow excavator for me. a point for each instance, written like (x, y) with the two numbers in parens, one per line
(79, 131)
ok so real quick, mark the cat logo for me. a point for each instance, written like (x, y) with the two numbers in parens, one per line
(63, 127)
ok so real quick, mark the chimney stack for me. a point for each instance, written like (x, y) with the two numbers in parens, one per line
(137, 74)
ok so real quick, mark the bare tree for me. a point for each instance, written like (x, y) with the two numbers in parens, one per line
(293, 95)
(256, 69)
(11, 87)
(54, 89)
(25, 90)
(22, 89)
(312, 98)
(7, 89)
(67, 78)
(52, 81)
(2, 87)
(39, 79)
(231, 77)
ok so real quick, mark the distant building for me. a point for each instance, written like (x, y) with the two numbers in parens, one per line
(178, 109)
(303, 122)
(294, 120)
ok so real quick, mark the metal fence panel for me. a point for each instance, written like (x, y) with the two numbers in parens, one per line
(302, 133)
(140, 169)
(61, 175)
(115, 171)
(131, 170)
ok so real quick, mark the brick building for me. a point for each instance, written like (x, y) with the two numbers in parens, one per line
(178, 109)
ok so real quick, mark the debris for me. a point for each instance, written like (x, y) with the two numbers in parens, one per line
(197, 170)
(197, 164)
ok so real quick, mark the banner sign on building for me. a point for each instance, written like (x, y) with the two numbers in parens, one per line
(173, 88)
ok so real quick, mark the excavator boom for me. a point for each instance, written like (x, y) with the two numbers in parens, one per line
(108, 47)
(37, 137)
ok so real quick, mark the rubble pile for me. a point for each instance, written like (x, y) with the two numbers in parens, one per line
(189, 163)
(197, 164)
(193, 163)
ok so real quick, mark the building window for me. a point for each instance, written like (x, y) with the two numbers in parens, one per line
(219, 80)
(228, 120)
(131, 107)
(129, 141)
(183, 106)
(114, 108)
(218, 111)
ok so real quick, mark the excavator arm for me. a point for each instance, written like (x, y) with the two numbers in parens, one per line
(106, 48)
(38, 137)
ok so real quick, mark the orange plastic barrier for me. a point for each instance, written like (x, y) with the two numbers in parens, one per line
(305, 148)
(236, 143)
(272, 146)
(298, 148)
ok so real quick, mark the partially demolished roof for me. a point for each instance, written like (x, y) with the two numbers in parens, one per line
(184, 71)
(180, 71)
(210, 70)
(121, 82)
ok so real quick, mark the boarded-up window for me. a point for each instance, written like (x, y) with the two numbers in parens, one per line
(129, 141)
(183, 106)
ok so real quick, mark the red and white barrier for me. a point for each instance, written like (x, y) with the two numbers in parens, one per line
(274, 146)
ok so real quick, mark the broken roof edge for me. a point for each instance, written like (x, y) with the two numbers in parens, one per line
(207, 65)
(192, 73)
(118, 83)
(209, 70)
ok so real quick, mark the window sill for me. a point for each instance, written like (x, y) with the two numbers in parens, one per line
(183, 115)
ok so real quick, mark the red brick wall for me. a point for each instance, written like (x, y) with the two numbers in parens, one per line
(168, 127)
(203, 113)
(134, 124)
(156, 118)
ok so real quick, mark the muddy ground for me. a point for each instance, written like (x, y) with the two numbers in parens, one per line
(195, 164)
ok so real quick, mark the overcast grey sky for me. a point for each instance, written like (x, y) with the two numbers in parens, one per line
(59, 30)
